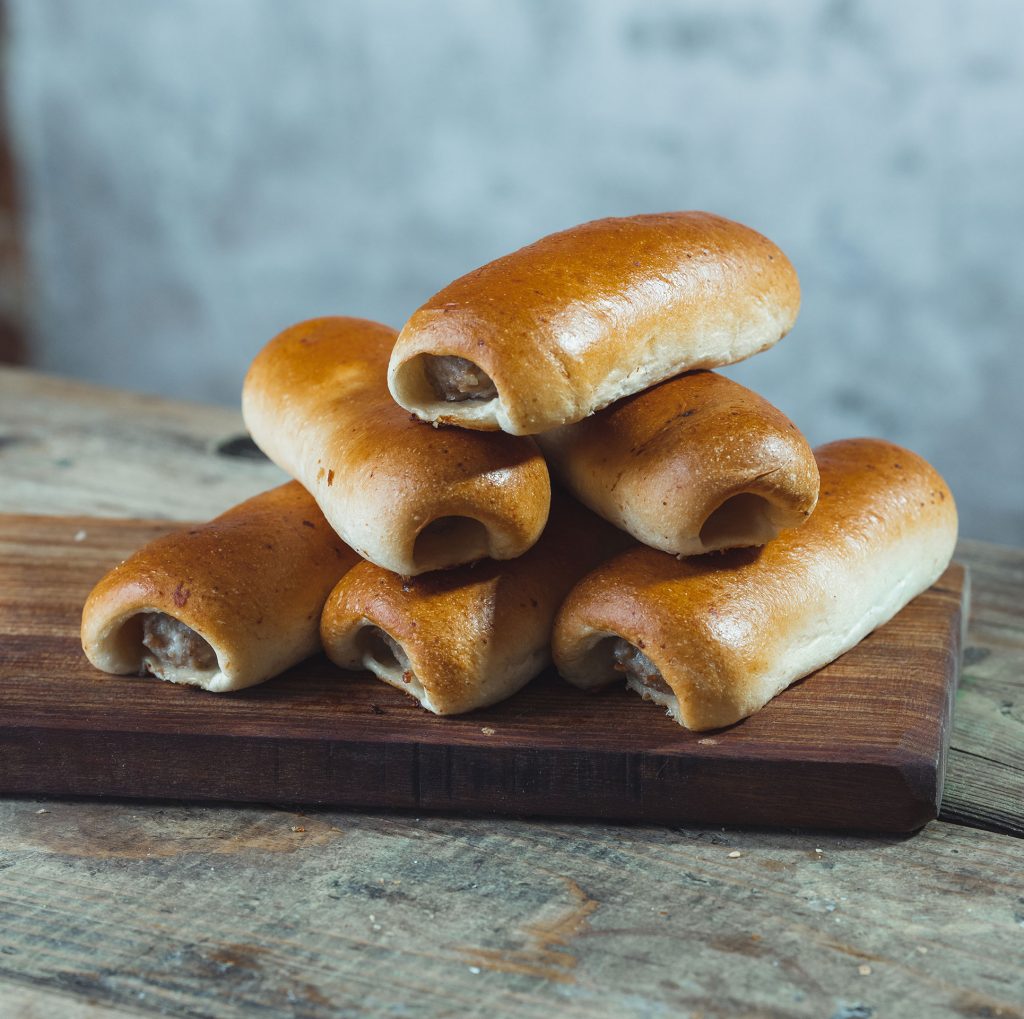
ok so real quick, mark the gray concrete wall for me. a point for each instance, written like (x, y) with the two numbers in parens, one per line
(200, 174)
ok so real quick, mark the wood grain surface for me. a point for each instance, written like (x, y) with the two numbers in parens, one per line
(860, 744)
(985, 775)
(112, 908)
(240, 912)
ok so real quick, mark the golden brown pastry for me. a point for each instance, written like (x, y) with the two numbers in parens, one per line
(406, 496)
(555, 331)
(713, 639)
(462, 639)
(223, 605)
(696, 464)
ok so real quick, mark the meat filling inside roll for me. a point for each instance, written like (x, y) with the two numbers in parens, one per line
(456, 379)
(174, 647)
(641, 673)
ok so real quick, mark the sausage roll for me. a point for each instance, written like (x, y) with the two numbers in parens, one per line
(406, 496)
(549, 334)
(463, 639)
(696, 464)
(713, 639)
(224, 605)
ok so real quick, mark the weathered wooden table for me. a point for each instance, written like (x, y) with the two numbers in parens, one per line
(128, 908)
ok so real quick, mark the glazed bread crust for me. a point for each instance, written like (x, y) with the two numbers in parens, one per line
(251, 583)
(587, 316)
(728, 632)
(463, 639)
(406, 496)
(696, 464)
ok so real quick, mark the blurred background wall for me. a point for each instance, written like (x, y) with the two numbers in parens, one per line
(195, 175)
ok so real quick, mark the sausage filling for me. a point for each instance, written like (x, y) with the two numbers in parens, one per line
(637, 667)
(174, 645)
(455, 379)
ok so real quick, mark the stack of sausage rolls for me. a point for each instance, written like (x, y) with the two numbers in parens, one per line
(692, 544)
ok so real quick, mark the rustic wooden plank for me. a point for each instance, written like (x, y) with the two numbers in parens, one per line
(19, 1001)
(69, 447)
(175, 910)
(985, 784)
(859, 744)
(983, 793)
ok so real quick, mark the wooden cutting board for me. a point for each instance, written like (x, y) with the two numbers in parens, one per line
(860, 744)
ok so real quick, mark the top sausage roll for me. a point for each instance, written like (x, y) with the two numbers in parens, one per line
(696, 464)
(406, 496)
(224, 605)
(549, 334)
(713, 639)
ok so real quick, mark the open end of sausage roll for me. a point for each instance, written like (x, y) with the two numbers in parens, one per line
(643, 676)
(175, 651)
(613, 657)
(450, 541)
(382, 655)
(152, 643)
(448, 389)
(456, 379)
(744, 521)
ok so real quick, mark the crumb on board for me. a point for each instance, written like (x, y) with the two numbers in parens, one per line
(81, 535)
(735, 854)
(864, 970)
(298, 828)
(487, 730)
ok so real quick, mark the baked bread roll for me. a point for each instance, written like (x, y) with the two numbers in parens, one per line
(224, 605)
(549, 334)
(462, 639)
(714, 639)
(696, 464)
(406, 496)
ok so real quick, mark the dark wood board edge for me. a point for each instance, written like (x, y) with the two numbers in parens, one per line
(899, 796)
